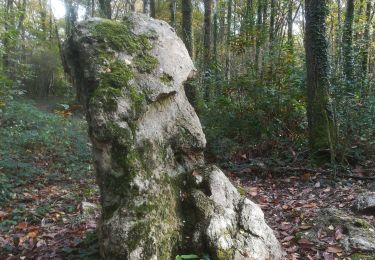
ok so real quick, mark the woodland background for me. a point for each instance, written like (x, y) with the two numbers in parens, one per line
(252, 91)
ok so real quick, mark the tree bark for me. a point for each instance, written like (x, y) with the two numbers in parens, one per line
(272, 36)
(146, 7)
(8, 23)
(228, 40)
(173, 13)
(70, 17)
(105, 8)
(152, 9)
(207, 46)
(347, 42)
(319, 112)
(338, 59)
(290, 25)
(365, 50)
(187, 16)
(187, 38)
(258, 36)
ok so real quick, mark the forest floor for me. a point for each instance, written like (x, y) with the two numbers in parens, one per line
(291, 203)
(46, 211)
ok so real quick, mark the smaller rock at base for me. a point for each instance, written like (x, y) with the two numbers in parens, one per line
(88, 208)
(365, 204)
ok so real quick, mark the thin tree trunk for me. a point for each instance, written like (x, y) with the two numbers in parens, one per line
(70, 17)
(228, 41)
(92, 8)
(173, 8)
(258, 35)
(146, 7)
(105, 8)
(264, 35)
(187, 38)
(272, 36)
(8, 23)
(357, 20)
(319, 112)
(290, 25)
(152, 9)
(187, 16)
(207, 46)
(365, 51)
(338, 40)
(347, 42)
(215, 30)
(21, 28)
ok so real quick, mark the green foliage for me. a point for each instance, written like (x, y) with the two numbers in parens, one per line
(33, 140)
(42, 75)
(247, 111)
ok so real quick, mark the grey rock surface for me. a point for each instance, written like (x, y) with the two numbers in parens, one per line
(365, 203)
(158, 197)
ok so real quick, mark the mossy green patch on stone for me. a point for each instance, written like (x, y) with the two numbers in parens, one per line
(138, 99)
(166, 78)
(116, 76)
(145, 63)
(362, 223)
(224, 254)
(117, 35)
(105, 98)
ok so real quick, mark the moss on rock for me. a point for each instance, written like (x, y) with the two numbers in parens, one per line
(145, 63)
(117, 35)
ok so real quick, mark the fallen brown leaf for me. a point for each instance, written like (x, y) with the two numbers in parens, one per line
(21, 225)
(333, 249)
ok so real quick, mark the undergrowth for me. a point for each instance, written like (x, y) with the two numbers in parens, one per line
(36, 144)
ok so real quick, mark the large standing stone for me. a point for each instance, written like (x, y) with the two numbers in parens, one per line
(158, 198)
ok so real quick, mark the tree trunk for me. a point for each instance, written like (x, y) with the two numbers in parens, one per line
(290, 25)
(187, 16)
(8, 23)
(365, 50)
(319, 112)
(187, 38)
(105, 8)
(357, 21)
(207, 46)
(347, 43)
(272, 36)
(92, 8)
(258, 35)
(152, 9)
(338, 59)
(43, 18)
(173, 13)
(21, 28)
(229, 37)
(146, 7)
(70, 17)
